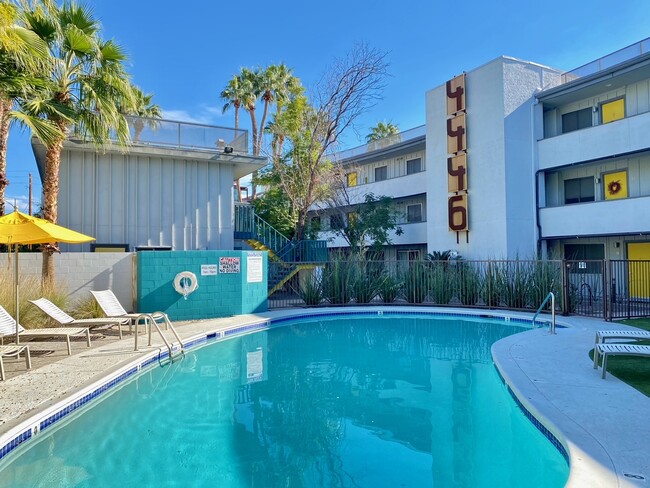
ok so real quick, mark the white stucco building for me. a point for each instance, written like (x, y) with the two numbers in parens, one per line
(524, 159)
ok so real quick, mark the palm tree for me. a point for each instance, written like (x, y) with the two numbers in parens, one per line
(144, 111)
(250, 85)
(22, 55)
(277, 84)
(232, 96)
(381, 130)
(89, 91)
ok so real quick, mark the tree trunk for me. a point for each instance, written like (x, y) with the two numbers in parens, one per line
(138, 126)
(5, 108)
(237, 135)
(50, 200)
(256, 150)
(263, 121)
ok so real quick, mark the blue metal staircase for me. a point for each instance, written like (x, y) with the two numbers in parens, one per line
(288, 256)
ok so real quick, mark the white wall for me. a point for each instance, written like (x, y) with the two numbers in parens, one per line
(622, 136)
(79, 272)
(501, 201)
(147, 197)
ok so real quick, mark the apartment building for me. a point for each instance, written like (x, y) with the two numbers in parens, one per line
(517, 159)
(394, 166)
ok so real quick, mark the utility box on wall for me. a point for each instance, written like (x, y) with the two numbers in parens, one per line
(227, 283)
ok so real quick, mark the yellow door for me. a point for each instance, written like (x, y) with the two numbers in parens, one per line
(639, 271)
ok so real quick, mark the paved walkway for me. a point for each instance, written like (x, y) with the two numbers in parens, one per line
(604, 422)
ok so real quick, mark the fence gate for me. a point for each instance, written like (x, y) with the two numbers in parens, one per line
(629, 289)
(585, 287)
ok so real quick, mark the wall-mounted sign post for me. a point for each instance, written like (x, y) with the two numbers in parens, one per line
(457, 207)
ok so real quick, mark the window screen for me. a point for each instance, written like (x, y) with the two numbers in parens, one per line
(381, 173)
(580, 119)
(579, 190)
(413, 166)
(414, 213)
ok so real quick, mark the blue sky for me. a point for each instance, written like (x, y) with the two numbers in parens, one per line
(185, 52)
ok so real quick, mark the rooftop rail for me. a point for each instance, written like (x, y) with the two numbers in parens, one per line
(403, 136)
(617, 57)
(186, 135)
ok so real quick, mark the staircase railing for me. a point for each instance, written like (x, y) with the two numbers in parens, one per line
(248, 225)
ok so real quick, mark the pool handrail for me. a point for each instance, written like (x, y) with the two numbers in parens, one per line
(550, 295)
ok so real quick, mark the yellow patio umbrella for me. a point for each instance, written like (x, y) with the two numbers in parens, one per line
(19, 228)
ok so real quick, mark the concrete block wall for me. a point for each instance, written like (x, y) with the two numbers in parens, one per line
(79, 272)
(217, 295)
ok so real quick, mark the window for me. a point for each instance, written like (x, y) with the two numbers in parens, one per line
(336, 222)
(578, 190)
(352, 179)
(580, 119)
(413, 166)
(611, 111)
(414, 213)
(381, 173)
(585, 252)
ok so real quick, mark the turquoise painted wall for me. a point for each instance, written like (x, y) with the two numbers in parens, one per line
(220, 295)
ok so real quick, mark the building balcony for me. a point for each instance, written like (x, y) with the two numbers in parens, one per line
(186, 135)
(400, 187)
(595, 218)
(413, 233)
(602, 141)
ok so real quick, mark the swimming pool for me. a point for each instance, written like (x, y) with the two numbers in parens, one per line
(338, 401)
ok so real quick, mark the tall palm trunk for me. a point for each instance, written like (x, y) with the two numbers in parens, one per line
(5, 108)
(50, 200)
(256, 149)
(236, 129)
(267, 100)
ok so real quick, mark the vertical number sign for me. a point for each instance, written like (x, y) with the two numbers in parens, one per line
(457, 155)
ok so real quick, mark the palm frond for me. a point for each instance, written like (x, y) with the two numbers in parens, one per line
(46, 131)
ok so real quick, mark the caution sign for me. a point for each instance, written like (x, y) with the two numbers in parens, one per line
(229, 265)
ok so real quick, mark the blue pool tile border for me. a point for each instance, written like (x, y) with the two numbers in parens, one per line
(265, 323)
(541, 427)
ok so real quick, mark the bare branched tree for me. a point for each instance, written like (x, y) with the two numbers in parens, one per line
(350, 87)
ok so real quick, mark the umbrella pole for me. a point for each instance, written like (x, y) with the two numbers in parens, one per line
(17, 297)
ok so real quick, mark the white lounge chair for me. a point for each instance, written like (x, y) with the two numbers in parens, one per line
(8, 330)
(606, 350)
(63, 318)
(603, 335)
(112, 307)
(11, 351)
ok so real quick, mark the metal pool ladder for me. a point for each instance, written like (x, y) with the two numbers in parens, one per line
(149, 319)
(550, 296)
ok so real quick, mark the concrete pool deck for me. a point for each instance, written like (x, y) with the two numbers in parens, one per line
(602, 423)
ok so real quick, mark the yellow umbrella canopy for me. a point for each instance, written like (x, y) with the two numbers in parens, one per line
(19, 228)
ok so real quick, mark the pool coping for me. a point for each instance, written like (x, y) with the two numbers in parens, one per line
(591, 463)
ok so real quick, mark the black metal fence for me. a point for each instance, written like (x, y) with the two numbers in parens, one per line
(603, 289)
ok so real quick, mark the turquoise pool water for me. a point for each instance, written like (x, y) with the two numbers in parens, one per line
(393, 401)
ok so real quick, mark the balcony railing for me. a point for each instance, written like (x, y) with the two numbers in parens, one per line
(186, 135)
(404, 136)
(617, 57)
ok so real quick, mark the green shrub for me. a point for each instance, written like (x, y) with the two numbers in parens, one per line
(513, 281)
(416, 283)
(366, 282)
(469, 283)
(30, 288)
(489, 285)
(546, 276)
(311, 290)
(389, 288)
(337, 281)
(441, 280)
(86, 308)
